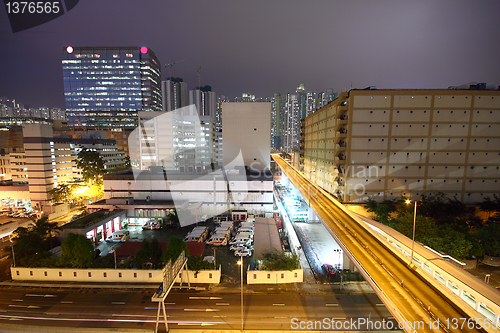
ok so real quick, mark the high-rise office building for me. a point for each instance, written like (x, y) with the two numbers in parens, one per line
(382, 144)
(174, 93)
(105, 87)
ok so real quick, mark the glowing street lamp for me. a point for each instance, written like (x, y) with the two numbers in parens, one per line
(414, 222)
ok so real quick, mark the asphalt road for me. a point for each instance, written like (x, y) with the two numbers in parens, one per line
(186, 309)
(413, 296)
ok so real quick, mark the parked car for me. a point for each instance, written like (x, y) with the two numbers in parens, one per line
(243, 253)
(329, 270)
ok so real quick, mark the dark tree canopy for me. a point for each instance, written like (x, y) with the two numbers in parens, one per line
(77, 251)
(174, 248)
(91, 164)
(31, 245)
(275, 260)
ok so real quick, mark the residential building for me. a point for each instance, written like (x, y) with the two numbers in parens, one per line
(205, 101)
(105, 87)
(384, 144)
(174, 94)
(277, 113)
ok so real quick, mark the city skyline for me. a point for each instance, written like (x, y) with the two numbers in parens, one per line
(267, 48)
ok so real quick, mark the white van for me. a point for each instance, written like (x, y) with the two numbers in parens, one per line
(118, 236)
(198, 234)
(246, 240)
(218, 240)
(152, 224)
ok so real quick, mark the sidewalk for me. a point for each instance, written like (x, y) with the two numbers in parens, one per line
(222, 288)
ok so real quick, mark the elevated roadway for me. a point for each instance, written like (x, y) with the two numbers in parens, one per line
(406, 295)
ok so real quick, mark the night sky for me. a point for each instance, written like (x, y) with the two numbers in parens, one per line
(263, 47)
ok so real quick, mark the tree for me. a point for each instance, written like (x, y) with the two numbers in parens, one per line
(77, 251)
(489, 236)
(91, 164)
(275, 260)
(452, 242)
(443, 210)
(31, 245)
(143, 254)
(62, 193)
(173, 218)
(197, 263)
(45, 229)
(382, 210)
(156, 253)
(174, 248)
(491, 206)
(424, 227)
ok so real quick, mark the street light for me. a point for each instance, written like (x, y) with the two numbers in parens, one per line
(13, 255)
(241, 271)
(414, 222)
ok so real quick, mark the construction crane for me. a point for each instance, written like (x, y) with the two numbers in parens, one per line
(170, 64)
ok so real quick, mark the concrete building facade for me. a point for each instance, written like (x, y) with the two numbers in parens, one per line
(382, 144)
(246, 127)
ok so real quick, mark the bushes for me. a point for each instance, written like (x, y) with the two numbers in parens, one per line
(274, 260)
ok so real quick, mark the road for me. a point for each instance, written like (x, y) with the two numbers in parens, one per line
(404, 291)
(185, 309)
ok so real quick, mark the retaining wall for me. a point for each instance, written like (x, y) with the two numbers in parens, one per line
(108, 275)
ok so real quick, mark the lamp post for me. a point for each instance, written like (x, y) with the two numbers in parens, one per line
(241, 272)
(12, 246)
(414, 223)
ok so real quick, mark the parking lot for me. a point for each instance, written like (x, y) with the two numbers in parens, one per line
(222, 254)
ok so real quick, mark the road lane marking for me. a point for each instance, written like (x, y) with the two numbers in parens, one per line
(36, 295)
(221, 303)
(17, 300)
(197, 324)
(24, 306)
(201, 297)
(16, 319)
(280, 317)
(390, 318)
(379, 304)
(278, 304)
(117, 303)
(331, 304)
(218, 316)
(132, 315)
(67, 302)
(204, 310)
(169, 303)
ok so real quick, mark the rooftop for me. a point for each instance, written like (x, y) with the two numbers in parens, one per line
(88, 220)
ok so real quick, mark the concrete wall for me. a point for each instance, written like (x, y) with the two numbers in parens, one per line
(108, 275)
(275, 277)
(57, 210)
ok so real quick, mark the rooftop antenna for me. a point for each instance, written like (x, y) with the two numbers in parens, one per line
(170, 64)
